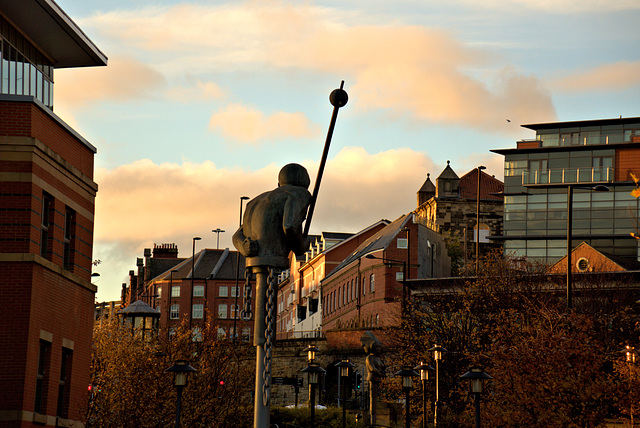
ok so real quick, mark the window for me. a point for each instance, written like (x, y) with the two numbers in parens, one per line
(41, 377)
(196, 334)
(364, 285)
(246, 334)
(63, 386)
(399, 276)
(403, 243)
(234, 291)
(47, 205)
(223, 291)
(222, 311)
(175, 312)
(159, 292)
(222, 334)
(197, 311)
(372, 284)
(234, 311)
(175, 291)
(198, 290)
(69, 239)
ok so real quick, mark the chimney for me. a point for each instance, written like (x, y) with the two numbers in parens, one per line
(165, 251)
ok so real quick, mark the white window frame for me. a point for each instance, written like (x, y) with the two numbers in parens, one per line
(200, 291)
(175, 291)
(223, 291)
(174, 313)
(222, 311)
(402, 243)
(197, 311)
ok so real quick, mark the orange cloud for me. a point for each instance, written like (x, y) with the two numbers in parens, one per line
(411, 71)
(124, 79)
(247, 125)
(616, 76)
(200, 91)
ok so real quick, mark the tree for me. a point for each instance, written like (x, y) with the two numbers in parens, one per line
(131, 389)
(551, 367)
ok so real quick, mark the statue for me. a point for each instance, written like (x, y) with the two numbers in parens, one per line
(272, 223)
(375, 369)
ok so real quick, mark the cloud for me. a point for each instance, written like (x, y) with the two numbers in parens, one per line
(248, 125)
(408, 71)
(609, 77)
(124, 79)
(199, 91)
(557, 6)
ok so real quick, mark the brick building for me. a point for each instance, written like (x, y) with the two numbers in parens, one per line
(366, 289)
(299, 293)
(47, 198)
(199, 289)
(451, 206)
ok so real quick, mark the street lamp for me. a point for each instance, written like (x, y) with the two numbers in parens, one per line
(425, 371)
(407, 374)
(631, 356)
(476, 377)
(404, 276)
(218, 231)
(438, 352)
(193, 274)
(344, 366)
(480, 168)
(314, 371)
(180, 370)
(235, 318)
(570, 187)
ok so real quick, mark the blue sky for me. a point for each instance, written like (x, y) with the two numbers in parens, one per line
(203, 101)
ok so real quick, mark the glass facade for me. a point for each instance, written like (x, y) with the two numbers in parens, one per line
(24, 69)
(535, 202)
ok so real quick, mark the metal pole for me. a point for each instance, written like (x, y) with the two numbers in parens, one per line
(477, 409)
(235, 318)
(312, 399)
(569, 239)
(178, 405)
(480, 168)
(407, 419)
(261, 414)
(435, 412)
(424, 403)
(344, 407)
(338, 98)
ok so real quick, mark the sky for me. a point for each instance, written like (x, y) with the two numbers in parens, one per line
(203, 102)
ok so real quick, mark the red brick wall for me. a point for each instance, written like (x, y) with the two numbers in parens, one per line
(27, 119)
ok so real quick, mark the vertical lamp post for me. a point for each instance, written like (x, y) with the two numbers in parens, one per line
(598, 188)
(425, 372)
(218, 231)
(314, 371)
(193, 274)
(631, 355)
(235, 318)
(344, 366)
(407, 374)
(437, 356)
(480, 168)
(180, 370)
(476, 377)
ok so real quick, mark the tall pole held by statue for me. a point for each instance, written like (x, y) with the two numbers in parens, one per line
(271, 229)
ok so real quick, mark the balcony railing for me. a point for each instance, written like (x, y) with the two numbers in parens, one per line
(567, 175)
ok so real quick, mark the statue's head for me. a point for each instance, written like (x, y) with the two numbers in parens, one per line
(294, 175)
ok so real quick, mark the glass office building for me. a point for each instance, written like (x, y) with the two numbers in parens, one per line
(586, 156)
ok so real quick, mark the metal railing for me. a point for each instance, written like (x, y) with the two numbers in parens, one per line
(567, 175)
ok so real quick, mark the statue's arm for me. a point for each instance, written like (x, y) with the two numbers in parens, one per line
(295, 211)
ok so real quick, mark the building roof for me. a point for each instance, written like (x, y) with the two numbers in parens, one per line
(488, 185)
(428, 186)
(592, 122)
(209, 264)
(51, 29)
(378, 241)
(448, 173)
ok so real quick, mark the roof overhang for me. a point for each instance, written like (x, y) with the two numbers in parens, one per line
(52, 30)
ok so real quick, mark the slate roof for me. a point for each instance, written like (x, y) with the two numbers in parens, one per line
(379, 241)
(209, 264)
(488, 185)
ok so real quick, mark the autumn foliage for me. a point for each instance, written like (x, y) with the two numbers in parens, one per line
(130, 388)
(551, 367)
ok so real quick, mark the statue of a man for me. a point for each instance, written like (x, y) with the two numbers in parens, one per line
(373, 348)
(272, 223)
